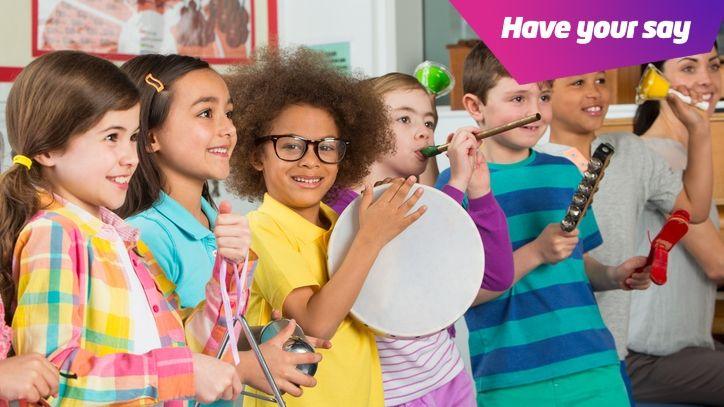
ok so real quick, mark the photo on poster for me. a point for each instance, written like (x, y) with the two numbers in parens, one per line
(220, 31)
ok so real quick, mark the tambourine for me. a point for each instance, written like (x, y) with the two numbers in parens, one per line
(424, 279)
(587, 187)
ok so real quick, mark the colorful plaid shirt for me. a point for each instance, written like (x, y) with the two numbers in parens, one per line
(72, 307)
(6, 334)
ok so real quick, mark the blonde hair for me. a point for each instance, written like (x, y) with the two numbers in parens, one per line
(399, 81)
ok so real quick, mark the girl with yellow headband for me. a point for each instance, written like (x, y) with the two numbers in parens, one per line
(84, 298)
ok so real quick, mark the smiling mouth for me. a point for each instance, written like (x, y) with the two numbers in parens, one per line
(594, 110)
(706, 96)
(120, 179)
(307, 181)
(220, 151)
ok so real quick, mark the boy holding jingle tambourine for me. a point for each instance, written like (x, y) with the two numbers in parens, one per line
(647, 179)
(543, 342)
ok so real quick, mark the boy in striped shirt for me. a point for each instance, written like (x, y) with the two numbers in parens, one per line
(542, 342)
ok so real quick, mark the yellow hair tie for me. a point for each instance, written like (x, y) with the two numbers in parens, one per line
(23, 160)
(158, 85)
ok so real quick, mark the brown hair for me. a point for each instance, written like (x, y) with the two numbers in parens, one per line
(148, 181)
(279, 78)
(57, 96)
(400, 81)
(482, 70)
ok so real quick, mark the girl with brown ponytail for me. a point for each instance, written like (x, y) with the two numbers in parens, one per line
(83, 296)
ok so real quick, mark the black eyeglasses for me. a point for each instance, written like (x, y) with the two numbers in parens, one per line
(290, 147)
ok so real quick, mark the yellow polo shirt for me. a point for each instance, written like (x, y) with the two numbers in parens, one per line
(292, 254)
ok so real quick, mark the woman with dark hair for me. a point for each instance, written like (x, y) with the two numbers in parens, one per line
(673, 357)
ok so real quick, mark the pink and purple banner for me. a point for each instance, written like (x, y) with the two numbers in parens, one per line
(538, 40)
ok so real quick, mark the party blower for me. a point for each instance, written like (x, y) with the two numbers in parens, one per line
(435, 77)
(431, 151)
(655, 86)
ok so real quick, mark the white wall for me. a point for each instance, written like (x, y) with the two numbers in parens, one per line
(384, 35)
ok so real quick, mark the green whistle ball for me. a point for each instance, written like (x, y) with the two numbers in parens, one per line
(435, 77)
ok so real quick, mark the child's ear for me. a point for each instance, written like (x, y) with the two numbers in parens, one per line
(46, 159)
(255, 160)
(474, 107)
(153, 146)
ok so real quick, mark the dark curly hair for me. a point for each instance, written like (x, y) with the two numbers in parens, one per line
(278, 78)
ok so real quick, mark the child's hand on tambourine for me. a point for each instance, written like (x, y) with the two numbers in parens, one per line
(233, 236)
(28, 377)
(385, 218)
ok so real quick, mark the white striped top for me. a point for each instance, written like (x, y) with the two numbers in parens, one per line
(412, 368)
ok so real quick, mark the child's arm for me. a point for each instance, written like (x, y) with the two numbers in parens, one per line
(696, 195)
(623, 276)
(469, 170)
(704, 244)
(550, 247)
(53, 288)
(205, 324)
(320, 310)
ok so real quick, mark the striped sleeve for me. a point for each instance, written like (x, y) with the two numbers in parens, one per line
(589, 233)
(51, 267)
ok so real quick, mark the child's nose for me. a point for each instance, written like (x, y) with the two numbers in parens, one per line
(310, 159)
(593, 92)
(423, 133)
(129, 156)
(227, 128)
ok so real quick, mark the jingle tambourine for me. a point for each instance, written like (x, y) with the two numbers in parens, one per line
(587, 187)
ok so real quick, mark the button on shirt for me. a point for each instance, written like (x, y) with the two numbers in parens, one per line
(183, 247)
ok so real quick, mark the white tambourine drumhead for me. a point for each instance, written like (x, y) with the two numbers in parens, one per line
(424, 279)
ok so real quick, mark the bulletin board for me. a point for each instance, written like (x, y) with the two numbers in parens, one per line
(219, 31)
(7, 76)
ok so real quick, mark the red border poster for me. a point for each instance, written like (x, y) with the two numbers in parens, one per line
(219, 31)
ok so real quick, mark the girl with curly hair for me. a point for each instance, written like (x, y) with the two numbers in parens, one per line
(302, 127)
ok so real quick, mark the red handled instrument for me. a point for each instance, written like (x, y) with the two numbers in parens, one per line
(673, 230)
